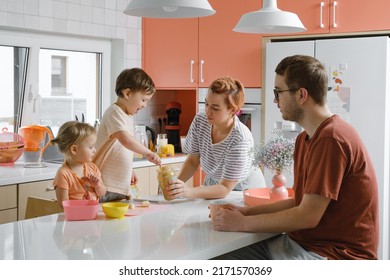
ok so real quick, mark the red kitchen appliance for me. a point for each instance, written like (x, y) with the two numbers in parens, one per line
(173, 111)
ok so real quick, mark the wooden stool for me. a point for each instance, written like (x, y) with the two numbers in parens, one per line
(37, 207)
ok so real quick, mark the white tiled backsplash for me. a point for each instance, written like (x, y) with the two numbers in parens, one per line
(99, 18)
(155, 108)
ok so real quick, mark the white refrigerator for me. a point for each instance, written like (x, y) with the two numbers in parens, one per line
(359, 74)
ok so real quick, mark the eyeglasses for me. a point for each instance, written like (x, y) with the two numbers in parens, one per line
(276, 92)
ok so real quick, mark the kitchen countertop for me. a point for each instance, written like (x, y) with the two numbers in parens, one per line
(18, 174)
(177, 230)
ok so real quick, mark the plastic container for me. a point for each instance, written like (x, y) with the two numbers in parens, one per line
(135, 192)
(165, 174)
(35, 137)
(115, 209)
(11, 147)
(9, 156)
(214, 205)
(79, 210)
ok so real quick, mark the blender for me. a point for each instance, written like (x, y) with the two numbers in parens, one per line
(35, 144)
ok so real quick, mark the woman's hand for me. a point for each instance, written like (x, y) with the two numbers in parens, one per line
(177, 189)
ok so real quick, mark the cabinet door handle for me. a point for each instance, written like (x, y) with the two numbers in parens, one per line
(334, 14)
(201, 71)
(191, 71)
(322, 4)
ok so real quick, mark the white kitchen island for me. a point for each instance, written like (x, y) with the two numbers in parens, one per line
(178, 230)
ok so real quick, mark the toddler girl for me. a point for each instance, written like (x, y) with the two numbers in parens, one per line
(78, 177)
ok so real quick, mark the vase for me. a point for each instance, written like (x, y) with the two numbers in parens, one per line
(279, 190)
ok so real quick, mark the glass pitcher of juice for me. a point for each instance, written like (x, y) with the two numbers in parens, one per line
(165, 174)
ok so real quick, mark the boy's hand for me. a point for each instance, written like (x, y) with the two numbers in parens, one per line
(153, 157)
(134, 178)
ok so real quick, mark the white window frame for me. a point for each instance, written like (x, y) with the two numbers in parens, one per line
(35, 41)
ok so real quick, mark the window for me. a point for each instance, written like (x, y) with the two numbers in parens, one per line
(12, 84)
(58, 75)
(48, 79)
(68, 86)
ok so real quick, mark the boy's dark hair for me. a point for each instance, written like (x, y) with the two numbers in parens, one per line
(136, 80)
(302, 71)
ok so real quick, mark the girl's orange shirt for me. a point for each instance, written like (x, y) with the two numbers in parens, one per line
(78, 188)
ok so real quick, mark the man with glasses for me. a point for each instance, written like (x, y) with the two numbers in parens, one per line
(334, 212)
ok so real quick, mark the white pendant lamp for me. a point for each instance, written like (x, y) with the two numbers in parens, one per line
(169, 8)
(269, 20)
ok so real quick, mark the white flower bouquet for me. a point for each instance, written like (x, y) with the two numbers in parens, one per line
(277, 154)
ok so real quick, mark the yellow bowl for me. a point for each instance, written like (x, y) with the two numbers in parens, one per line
(115, 209)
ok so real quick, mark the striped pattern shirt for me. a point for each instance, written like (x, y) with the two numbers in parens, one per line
(230, 159)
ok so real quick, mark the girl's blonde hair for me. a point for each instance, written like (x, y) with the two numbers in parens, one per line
(72, 133)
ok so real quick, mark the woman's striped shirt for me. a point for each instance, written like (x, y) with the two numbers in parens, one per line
(229, 159)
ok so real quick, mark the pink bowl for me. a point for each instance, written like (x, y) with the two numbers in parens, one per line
(9, 156)
(78, 210)
(259, 196)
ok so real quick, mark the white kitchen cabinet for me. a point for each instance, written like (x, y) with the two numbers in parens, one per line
(8, 204)
(8, 216)
(147, 180)
(153, 182)
(41, 189)
(143, 180)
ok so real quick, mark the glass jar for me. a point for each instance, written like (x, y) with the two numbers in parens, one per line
(161, 141)
(165, 174)
(135, 192)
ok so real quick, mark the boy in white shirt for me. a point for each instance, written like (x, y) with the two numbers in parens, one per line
(115, 139)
